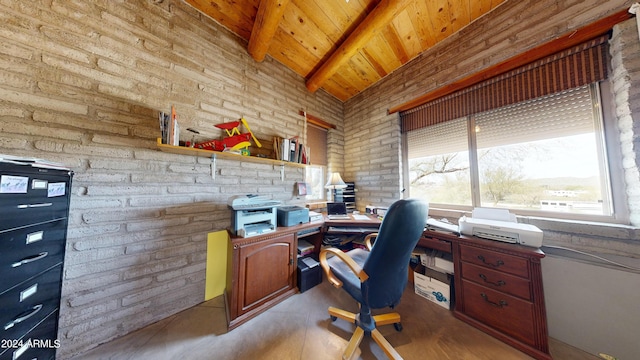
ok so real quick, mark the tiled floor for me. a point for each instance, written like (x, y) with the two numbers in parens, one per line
(300, 328)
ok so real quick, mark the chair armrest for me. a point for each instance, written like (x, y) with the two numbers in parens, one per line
(347, 260)
(367, 240)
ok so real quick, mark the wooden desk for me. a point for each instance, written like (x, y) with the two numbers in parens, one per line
(261, 270)
(498, 289)
(372, 221)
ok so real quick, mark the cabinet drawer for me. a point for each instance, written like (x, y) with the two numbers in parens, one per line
(497, 280)
(29, 303)
(27, 198)
(495, 260)
(28, 251)
(503, 312)
(43, 341)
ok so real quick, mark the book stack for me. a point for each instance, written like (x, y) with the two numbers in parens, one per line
(291, 150)
(169, 127)
(304, 248)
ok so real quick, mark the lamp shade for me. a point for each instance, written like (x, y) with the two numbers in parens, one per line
(335, 182)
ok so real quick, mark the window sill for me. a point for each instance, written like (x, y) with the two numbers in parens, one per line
(592, 237)
(616, 262)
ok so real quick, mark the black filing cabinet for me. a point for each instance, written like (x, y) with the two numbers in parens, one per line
(34, 210)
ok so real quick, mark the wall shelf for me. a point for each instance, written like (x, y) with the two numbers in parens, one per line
(182, 150)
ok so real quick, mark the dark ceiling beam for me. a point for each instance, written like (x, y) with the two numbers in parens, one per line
(381, 16)
(268, 18)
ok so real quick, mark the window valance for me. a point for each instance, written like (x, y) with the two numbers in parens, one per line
(574, 67)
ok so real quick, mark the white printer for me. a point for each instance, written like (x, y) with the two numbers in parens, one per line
(500, 225)
(253, 215)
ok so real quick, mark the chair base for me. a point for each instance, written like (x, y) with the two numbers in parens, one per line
(358, 334)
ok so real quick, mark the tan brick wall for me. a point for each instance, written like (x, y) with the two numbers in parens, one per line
(81, 83)
(512, 28)
(625, 52)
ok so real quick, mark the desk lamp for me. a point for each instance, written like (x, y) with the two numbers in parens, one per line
(335, 182)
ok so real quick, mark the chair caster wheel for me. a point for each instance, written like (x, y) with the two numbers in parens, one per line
(398, 326)
(333, 318)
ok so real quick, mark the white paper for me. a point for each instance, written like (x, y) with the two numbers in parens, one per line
(56, 189)
(493, 214)
(13, 184)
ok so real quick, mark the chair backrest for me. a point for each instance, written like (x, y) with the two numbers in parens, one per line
(388, 263)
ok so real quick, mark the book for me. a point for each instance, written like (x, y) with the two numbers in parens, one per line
(285, 148)
(290, 149)
(174, 128)
(164, 120)
(304, 247)
(293, 155)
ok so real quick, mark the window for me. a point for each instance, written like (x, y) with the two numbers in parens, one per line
(314, 176)
(438, 159)
(541, 156)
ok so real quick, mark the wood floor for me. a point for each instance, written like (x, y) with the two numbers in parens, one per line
(299, 328)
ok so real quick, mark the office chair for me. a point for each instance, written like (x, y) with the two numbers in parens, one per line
(377, 278)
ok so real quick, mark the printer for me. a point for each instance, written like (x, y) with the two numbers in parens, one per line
(292, 215)
(500, 225)
(253, 215)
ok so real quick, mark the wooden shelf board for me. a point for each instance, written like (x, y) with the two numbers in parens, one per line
(182, 150)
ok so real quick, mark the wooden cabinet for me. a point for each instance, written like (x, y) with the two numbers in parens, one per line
(262, 271)
(34, 203)
(499, 290)
(258, 285)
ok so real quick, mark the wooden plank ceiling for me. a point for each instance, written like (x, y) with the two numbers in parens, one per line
(342, 47)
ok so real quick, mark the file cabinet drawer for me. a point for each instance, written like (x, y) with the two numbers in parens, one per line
(28, 251)
(28, 197)
(39, 343)
(496, 280)
(499, 310)
(30, 302)
(495, 260)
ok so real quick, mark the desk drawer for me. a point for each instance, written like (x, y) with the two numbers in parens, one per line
(434, 243)
(495, 260)
(42, 338)
(503, 312)
(30, 302)
(28, 251)
(497, 280)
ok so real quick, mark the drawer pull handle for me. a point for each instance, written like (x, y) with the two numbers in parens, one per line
(501, 304)
(27, 206)
(30, 259)
(499, 283)
(34, 310)
(497, 264)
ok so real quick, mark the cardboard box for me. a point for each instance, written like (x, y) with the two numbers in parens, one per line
(433, 289)
(434, 259)
(444, 264)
